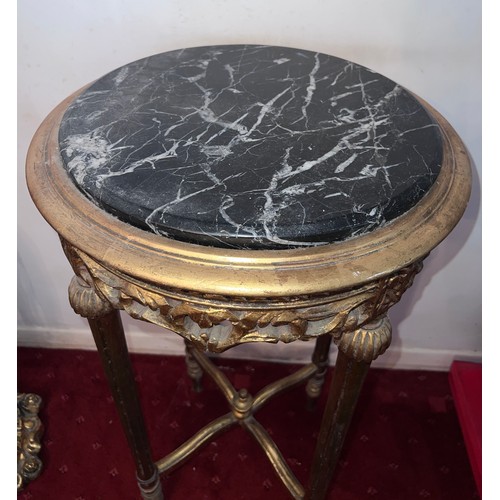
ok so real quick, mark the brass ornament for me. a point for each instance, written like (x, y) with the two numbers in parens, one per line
(29, 432)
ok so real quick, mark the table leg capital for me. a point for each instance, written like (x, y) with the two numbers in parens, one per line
(368, 342)
(85, 301)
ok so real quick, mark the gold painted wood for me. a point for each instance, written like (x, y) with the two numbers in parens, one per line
(356, 352)
(320, 359)
(368, 342)
(138, 254)
(217, 376)
(275, 457)
(194, 370)
(217, 323)
(202, 437)
(218, 298)
(243, 407)
(275, 388)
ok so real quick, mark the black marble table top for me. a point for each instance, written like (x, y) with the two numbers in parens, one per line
(248, 146)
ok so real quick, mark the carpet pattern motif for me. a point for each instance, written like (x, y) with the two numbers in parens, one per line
(404, 443)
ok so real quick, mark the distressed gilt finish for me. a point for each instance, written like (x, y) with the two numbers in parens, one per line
(216, 323)
(217, 298)
(152, 259)
(374, 338)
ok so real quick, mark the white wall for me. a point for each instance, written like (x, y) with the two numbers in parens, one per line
(433, 47)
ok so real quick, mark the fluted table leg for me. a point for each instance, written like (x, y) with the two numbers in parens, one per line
(193, 368)
(320, 359)
(109, 337)
(356, 351)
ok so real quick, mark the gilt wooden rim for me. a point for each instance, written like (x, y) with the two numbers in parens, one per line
(252, 273)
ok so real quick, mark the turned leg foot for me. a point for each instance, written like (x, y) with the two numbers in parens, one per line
(151, 489)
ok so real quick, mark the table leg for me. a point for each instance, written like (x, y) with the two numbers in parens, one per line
(193, 368)
(356, 351)
(109, 337)
(320, 359)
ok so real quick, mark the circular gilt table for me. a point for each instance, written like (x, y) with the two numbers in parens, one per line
(245, 193)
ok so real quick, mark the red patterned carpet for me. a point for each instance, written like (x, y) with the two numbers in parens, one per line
(405, 441)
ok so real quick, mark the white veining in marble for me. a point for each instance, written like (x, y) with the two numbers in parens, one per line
(250, 146)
